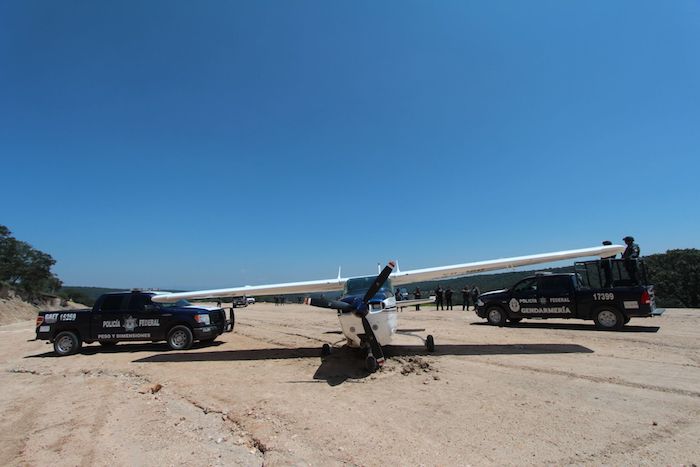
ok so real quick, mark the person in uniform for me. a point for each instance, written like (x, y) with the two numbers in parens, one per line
(448, 297)
(416, 294)
(606, 266)
(630, 255)
(465, 297)
(475, 295)
(439, 295)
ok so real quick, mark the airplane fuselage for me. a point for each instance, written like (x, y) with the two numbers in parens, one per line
(382, 316)
(384, 324)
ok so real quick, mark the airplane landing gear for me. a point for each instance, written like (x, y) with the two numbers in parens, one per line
(325, 350)
(430, 343)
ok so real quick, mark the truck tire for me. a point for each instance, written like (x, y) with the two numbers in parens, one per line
(495, 316)
(608, 319)
(180, 338)
(66, 343)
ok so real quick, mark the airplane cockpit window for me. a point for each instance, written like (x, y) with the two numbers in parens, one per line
(360, 285)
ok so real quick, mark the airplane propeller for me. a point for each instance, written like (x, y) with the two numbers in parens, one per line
(360, 306)
(363, 310)
(325, 303)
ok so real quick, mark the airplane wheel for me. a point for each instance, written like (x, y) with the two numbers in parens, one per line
(430, 343)
(371, 363)
(325, 350)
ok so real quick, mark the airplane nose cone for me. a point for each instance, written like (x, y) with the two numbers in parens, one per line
(360, 306)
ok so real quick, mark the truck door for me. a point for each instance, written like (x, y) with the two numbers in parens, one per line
(556, 296)
(146, 324)
(107, 322)
(523, 299)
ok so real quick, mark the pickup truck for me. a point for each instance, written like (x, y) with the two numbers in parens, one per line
(130, 316)
(575, 295)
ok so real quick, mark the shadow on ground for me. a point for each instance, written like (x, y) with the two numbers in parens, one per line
(125, 347)
(570, 326)
(342, 365)
(348, 364)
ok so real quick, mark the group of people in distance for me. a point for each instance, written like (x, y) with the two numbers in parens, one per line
(443, 297)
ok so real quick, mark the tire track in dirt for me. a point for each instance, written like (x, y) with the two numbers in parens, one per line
(595, 379)
(633, 444)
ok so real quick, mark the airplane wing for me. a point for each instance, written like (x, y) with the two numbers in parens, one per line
(458, 270)
(417, 301)
(324, 285)
(397, 278)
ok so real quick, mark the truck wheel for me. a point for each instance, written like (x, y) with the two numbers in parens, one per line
(608, 319)
(180, 338)
(66, 343)
(495, 316)
(430, 343)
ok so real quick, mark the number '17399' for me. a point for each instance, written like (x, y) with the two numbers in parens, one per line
(604, 296)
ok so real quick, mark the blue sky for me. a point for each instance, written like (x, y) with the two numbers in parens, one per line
(210, 144)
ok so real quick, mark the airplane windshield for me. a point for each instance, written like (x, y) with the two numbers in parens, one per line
(360, 285)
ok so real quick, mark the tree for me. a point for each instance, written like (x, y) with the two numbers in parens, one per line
(25, 268)
(676, 277)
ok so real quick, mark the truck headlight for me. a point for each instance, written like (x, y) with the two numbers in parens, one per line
(479, 302)
(202, 319)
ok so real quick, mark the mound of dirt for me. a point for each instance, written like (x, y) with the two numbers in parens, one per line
(413, 365)
(14, 309)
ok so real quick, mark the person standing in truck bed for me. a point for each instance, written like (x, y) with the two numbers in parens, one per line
(630, 255)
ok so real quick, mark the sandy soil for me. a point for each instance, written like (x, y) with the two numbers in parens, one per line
(544, 392)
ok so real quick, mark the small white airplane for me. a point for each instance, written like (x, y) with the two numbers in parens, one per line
(367, 307)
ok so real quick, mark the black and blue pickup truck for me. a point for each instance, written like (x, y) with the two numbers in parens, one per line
(607, 291)
(130, 316)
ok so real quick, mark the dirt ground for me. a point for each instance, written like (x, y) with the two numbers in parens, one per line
(542, 392)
